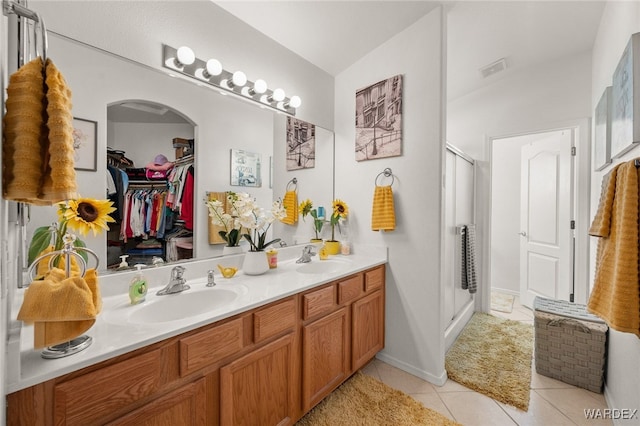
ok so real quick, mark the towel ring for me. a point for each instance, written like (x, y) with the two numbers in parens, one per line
(387, 173)
(67, 251)
(293, 182)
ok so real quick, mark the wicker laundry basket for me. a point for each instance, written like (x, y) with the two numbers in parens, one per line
(570, 343)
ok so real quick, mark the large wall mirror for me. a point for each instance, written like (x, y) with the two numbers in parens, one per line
(139, 111)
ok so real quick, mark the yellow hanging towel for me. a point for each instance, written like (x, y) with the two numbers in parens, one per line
(383, 215)
(290, 203)
(615, 296)
(61, 308)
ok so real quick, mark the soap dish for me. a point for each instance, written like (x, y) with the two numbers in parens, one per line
(227, 272)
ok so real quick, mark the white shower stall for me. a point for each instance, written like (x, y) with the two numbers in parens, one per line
(459, 211)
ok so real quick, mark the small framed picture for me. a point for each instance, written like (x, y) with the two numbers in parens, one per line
(602, 132)
(625, 115)
(85, 144)
(245, 168)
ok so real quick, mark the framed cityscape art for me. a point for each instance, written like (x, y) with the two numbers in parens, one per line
(602, 131)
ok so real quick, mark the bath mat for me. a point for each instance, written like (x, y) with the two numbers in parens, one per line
(363, 400)
(502, 302)
(493, 356)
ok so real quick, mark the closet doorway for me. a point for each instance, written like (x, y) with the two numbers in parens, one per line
(151, 177)
(532, 215)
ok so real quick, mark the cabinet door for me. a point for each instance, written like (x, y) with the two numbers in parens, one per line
(186, 405)
(260, 388)
(367, 328)
(325, 356)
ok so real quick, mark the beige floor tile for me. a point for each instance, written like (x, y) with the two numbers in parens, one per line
(452, 386)
(371, 370)
(540, 413)
(573, 401)
(475, 409)
(539, 381)
(403, 381)
(433, 401)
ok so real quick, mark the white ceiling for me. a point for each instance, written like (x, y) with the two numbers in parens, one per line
(335, 34)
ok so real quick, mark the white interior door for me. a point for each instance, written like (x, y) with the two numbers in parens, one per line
(546, 238)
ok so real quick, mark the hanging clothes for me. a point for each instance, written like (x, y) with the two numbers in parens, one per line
(186, 212)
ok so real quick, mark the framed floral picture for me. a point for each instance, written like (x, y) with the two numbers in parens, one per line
(85, 141)
(602, 131)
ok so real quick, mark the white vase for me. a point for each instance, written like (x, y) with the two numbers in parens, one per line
(226, 250)
(255, 263)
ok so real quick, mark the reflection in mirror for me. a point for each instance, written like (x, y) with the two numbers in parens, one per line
(150, 157)
(101, 81)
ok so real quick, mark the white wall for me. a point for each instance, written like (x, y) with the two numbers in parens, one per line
(619, 21)
(414, 332)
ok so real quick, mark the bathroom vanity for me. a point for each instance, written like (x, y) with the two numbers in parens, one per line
(267, 357)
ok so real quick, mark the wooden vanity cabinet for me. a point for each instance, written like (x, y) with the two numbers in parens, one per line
(266, 366)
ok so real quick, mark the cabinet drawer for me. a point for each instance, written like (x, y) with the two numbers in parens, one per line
(349, 289)
(86, 399)
(318, 302)
(274, 319)
(374, 279)
(209, 346)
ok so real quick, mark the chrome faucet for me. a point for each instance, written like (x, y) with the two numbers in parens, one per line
(307, 252)
(210, 279)
(177, 283)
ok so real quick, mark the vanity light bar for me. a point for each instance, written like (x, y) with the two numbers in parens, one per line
(184, 61)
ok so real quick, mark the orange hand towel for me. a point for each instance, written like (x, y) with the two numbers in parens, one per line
(383, 216)
(23, 123)
(61, 308)
(60, 176)
(616, 293)
(290, 203)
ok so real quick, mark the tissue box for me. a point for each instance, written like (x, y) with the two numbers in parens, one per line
(570, 343)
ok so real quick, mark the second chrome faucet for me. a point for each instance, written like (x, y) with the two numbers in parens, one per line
(177, 283)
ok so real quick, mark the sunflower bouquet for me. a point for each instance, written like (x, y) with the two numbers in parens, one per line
(81, 215)
(340, 211)
(306, 208)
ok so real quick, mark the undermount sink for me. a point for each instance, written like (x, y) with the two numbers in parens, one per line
(174, 307)
(322, 267)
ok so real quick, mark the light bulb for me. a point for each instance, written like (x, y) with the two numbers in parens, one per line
(260, 86)
(278, 95)
(214, 67)
(295, 102)
(239, 78)
(185, 56)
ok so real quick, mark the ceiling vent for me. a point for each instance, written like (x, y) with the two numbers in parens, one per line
(493, 68)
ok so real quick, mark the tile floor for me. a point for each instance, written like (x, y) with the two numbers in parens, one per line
(552, 403)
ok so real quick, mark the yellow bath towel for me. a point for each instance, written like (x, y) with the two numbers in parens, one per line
(383, 215)
(42, 268)
(23, 124)
(60, 176)
(61, 308)
(616, 290)
(290, 203)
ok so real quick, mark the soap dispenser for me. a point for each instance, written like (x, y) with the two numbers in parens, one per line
(138, 287)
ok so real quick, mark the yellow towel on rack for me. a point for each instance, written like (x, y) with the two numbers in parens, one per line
(616, 295)
(290, 203)
(61, 308)
(60, 175)
(23, 124)
(383, 215)
(214, 237)
(43, 266)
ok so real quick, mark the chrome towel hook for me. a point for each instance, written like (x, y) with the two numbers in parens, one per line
(386, 173)
(292, 183)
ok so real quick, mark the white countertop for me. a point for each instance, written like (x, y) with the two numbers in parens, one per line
(113, 335)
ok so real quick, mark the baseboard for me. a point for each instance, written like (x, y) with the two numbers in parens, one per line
(436, 380)
(505, 291)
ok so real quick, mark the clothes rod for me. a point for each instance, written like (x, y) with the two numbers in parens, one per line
(460, 153)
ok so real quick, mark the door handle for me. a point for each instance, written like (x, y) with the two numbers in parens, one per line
(524, 234)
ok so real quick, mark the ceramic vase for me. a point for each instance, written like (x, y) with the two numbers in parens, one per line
(332, 247)
(227, 250)
(255, 263)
